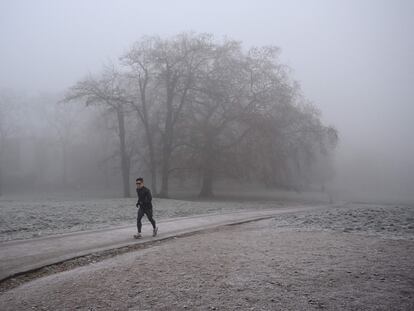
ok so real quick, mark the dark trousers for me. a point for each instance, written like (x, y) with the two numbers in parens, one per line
(147, 211)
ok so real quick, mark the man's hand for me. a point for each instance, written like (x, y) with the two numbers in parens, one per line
(137, 205)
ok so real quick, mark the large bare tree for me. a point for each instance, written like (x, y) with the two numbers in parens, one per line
(245, 120)
(165, 71)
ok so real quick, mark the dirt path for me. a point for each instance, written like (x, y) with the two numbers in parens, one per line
(256, 266)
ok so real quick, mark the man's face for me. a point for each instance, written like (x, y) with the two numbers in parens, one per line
(139, 184)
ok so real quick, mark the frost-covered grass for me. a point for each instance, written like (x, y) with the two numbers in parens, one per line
(388, 221)
(22, 218)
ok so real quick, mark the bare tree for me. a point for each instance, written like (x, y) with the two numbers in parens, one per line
(245, 120)
(164, 72)
(140, 72)
(178, 61)
(229, 98)
(108, 92)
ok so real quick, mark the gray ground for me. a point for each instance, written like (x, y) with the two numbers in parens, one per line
(348, 258)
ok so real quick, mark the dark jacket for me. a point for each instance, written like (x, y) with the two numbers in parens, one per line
(144, 198)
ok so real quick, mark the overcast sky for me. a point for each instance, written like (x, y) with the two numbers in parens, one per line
(354, 59)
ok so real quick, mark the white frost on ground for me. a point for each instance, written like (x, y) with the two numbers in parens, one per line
(395, 222)
(306, 261)
(23, 219)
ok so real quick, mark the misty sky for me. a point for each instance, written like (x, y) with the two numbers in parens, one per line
(354, 59)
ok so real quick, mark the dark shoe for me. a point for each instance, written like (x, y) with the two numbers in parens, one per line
(155, 231)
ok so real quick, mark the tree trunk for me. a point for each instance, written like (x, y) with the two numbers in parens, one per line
(167, 140)
(145, 119)
(149, 137)
(125, 161)
(207, 183)
(208, 170)
(153, 165)
(165, 169)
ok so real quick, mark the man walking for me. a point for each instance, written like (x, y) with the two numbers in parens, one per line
(144, 206)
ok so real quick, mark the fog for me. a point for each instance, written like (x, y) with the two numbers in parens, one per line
(353, 60)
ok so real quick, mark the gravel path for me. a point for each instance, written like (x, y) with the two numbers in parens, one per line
(278, 264)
